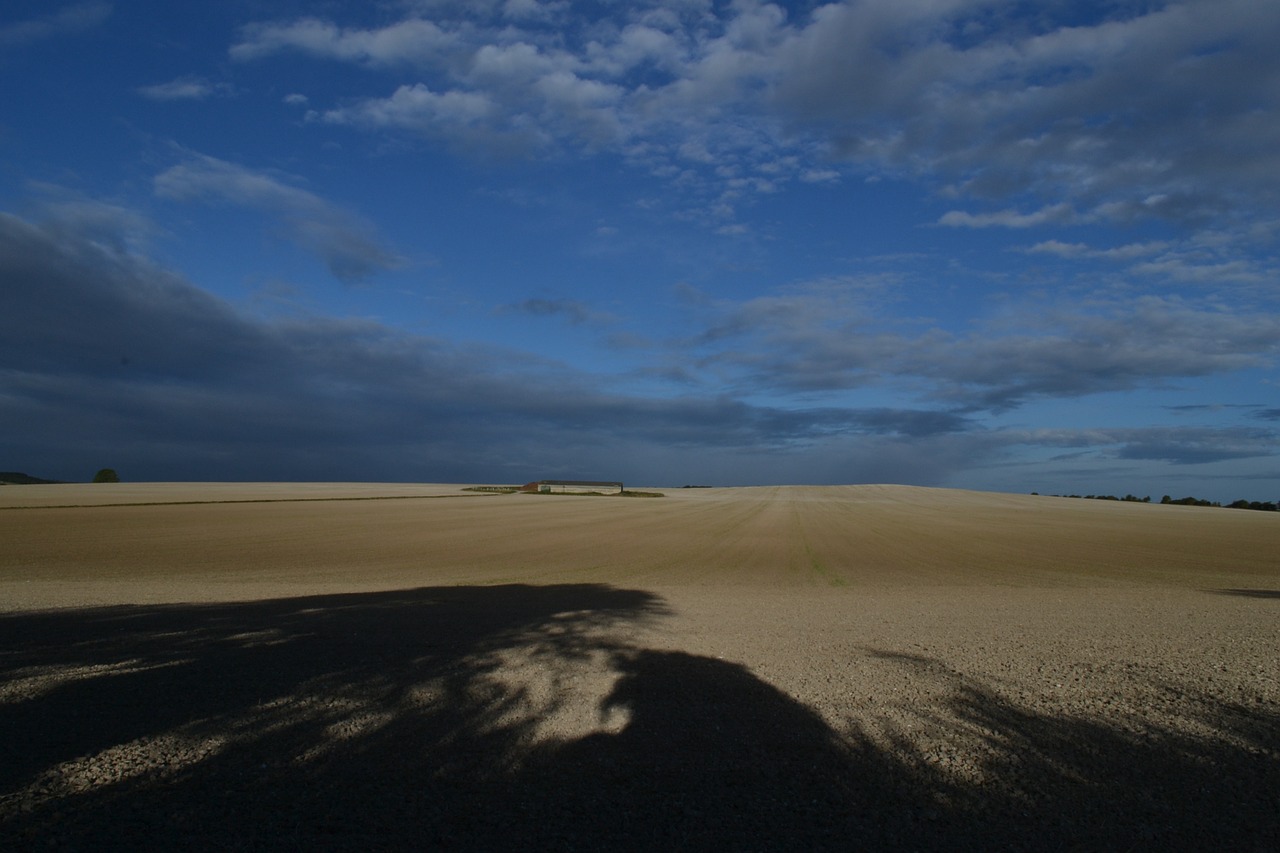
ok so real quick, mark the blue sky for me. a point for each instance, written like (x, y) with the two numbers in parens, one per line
(996, 245)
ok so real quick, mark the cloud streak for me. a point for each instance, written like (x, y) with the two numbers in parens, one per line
(826, 340)
(348, 245)
(1178, 445)
(1057, 214)
(574, 312)
(183, 89)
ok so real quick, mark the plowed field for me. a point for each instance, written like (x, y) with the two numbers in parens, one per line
(360, 666)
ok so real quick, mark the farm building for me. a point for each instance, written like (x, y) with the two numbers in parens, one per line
(570, 486)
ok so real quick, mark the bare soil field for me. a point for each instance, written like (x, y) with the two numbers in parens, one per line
(371, 666)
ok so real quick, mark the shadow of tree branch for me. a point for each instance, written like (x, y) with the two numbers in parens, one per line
(529, 717)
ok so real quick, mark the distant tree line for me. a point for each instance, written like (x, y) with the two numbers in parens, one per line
(1127, 498)
(1265, 506)
(17, 478)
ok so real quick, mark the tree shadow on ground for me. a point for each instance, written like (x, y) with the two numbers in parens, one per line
(394, 721)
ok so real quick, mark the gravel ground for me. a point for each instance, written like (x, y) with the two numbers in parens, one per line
(770, 676)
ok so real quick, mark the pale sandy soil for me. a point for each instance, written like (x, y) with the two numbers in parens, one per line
(98, 494)
(774, 668)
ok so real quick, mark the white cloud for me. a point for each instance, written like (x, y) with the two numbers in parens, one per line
(1082, 108)
(1061, 249)
(409, 41)
(569, 92)
(519, 64)
(183, 89)
(1132, 251)
(495, 80)
(634, 46)
(1117, 112)
(1055, 214)
(1127, 252)
(418, 108)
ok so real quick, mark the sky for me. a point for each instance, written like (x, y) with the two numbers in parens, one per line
(995, 245)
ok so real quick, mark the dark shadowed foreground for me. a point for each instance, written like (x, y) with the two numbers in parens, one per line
(532, 717)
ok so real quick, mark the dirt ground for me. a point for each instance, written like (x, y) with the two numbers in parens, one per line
(368, 666)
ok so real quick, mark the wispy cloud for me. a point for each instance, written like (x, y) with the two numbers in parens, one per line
(67, 21)
(1120, 348)
(1207, 260)
(184, 89)
(1178, 445)
(1127, 252)
(574, 312)
(103, 223)
(1198, 271)
(824, 340)
(1057, 214)
(347, 244)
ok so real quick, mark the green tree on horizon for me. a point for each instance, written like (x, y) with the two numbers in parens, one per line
(106, 475)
